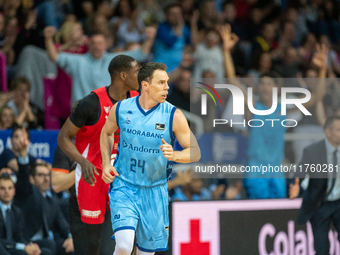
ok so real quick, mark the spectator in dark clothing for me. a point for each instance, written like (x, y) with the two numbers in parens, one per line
(228, 15)
(9, 156)
(253, 27)
(172, 36)
(180, 93)
(44, 222)
(63, 177)
(11, 223)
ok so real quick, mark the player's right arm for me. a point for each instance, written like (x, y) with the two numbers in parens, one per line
(62, 176)
(106, 143)
(67, 132)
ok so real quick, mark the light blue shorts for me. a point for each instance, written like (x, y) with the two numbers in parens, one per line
(143, 209)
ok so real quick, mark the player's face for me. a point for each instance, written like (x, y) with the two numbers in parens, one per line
(42, 178)
(158, 88)
(132, 76)
(7, 191)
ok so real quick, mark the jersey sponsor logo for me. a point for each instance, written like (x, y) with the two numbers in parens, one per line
(116, 217)
(90, 214)
(129, 112)
(159, 238)
(107, 109)
(150, 239)
(159, 126)
(127, 121)
(140, 148)
(142, 133)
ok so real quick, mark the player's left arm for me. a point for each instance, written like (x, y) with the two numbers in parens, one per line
(191, 151)
(106, 144)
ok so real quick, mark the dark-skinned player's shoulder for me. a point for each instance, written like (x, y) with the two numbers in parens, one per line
(86, 112)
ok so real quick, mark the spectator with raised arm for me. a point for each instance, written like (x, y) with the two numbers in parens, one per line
(89, 70)
(44, 221)
(172, 37)
(266, 144)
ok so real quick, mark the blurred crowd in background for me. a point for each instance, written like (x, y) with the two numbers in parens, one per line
(271, 38)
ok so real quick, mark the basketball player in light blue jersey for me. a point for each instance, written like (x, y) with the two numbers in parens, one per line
(139, 191)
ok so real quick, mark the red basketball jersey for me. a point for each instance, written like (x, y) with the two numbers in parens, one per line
(88, 137)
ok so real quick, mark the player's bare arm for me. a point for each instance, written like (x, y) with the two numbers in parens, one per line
(67, 132)
(191, 151)
(106, 143)
(62, 181)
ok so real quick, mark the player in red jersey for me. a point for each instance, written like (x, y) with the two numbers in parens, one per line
(86, 123)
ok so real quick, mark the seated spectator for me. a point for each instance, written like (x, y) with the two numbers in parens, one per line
(287, 39)
(172, 37)
(266, 42)
(8, 158)
(223, 190)
(208, 55)
(46, 13)
(34, 64)
(28, 33)
(11, 8)
(288, 34)
(100, 25)
(44, 222)
(328, 23)
(127, 24)
(333, 57)
(26, 113)
(70, 38)
(288, 67)
(307, 49)
(228, 15)
(7, 118)
(63, 10)
(10, 35)
(181, 178)
(293, 15)
(89, 71)
(253, 26)
(180, 93)
(312, 124)
(150, 12)
(262, 66)
(192, 191)
(208, 16)
(12, 223)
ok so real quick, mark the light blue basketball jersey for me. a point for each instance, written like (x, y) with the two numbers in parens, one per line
(139, 159)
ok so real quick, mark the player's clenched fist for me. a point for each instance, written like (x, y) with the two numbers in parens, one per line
(168, 151)
(109, 173)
